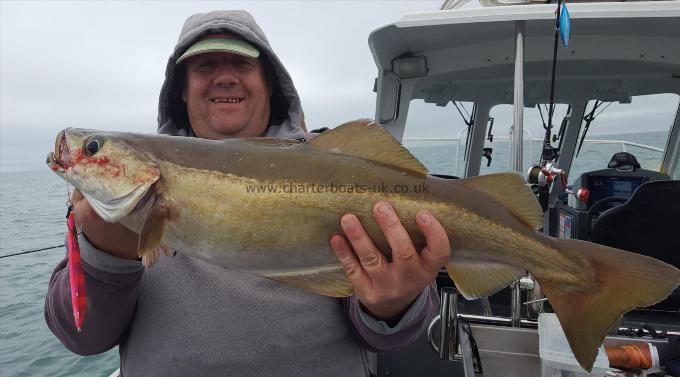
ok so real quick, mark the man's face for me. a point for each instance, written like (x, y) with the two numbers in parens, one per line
(226, 95)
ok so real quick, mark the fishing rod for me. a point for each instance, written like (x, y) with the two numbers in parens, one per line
(546, 171)
(548, 152)
(31, 251)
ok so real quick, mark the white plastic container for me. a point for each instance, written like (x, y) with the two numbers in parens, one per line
(556, 356)
(555, 369)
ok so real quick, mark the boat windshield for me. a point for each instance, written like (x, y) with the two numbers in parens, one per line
(640, 127)
(535, 119)
(676, 172)
(438, 135)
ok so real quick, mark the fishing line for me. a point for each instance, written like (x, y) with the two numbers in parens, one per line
(538, 106)
(605, 108)
(465, 119)
(31, 251)
(77, 232)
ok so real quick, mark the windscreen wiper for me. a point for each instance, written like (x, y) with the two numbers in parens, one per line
(589, 118)
(468, 121)
(548, 152)
(563, 126)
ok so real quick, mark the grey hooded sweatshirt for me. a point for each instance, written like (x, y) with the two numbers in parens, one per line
(186, 317)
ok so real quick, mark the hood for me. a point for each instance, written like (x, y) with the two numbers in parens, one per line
(286, 111)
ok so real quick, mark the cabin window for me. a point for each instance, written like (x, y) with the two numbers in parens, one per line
(436, 136)
(534, 134)
(676, 172)
(640, 127)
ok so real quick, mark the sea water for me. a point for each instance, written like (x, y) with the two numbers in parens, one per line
(32, 216)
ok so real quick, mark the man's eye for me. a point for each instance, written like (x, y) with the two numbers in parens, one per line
(244, 62)
(205, 66)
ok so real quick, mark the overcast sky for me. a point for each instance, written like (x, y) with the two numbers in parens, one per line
(97, 64)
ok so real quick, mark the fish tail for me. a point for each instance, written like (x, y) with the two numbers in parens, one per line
(621, 282)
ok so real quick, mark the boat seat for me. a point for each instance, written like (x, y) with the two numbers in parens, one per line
(647, 223)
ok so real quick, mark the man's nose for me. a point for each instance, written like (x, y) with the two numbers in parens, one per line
(226, 75)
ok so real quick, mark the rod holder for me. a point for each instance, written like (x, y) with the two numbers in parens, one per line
(449, 341)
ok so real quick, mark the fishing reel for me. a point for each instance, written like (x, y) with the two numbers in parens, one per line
(543, 176)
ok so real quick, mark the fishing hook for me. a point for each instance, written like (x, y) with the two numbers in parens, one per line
(71, 208)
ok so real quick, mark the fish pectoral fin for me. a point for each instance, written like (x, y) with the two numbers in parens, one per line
(511, 191)
(325, 280)
(150, 259)
(365, 139)
(480, 279)
(618, 281)
(268, 141)
(155, 223)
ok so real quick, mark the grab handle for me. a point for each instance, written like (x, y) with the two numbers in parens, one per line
(448, 332)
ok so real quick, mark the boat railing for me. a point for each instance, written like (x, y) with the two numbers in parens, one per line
(459, 143)
(623, 143)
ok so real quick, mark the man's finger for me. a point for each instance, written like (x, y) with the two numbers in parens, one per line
(438, 250)
(349, 262)
(370, 257)
(397, 237)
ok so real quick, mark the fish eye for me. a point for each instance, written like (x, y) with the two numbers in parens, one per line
(93, 145)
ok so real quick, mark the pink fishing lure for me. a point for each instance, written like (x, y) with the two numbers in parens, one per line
(75, 270)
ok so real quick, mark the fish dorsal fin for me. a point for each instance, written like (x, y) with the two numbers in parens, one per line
(365, 139)
(510, 190)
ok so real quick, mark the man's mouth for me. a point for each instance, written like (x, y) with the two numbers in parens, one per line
(226, 99)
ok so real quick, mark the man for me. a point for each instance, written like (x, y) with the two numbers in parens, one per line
(186, 317)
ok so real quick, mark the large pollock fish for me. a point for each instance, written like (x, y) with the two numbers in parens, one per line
(269, 206)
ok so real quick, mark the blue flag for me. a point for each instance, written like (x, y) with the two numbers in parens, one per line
(565, 25)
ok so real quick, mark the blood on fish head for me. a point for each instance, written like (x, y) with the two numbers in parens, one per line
(103, 167)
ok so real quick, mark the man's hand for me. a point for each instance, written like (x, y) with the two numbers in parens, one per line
(388, 289)
(112, 238)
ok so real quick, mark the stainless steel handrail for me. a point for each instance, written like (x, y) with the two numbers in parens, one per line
(499, 321)
(395, 115)
(448, 332)
(526, 323)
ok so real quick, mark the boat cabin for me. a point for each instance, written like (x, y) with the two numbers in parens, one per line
(456, 85)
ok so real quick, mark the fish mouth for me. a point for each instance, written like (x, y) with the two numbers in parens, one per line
(55, 159)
